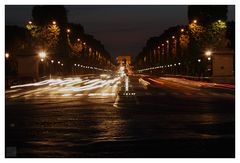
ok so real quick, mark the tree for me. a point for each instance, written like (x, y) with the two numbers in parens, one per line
(206, 14)
(44, 37)
(230, 34)
(15, 40)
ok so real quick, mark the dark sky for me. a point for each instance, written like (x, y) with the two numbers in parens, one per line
(122, 29)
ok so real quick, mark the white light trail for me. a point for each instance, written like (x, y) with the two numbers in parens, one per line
(126, 83)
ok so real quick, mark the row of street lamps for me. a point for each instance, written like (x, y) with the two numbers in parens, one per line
(208, 54)
(42, 54)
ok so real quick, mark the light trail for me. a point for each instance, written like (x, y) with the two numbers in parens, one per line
(68, 87)
(126, 83)
(199, 83)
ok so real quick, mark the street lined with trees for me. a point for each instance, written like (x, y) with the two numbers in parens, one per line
(184, 49)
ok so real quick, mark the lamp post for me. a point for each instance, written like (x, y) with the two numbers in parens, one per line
(42, 56)
(208, 54)
(51, 67)
(7, 55)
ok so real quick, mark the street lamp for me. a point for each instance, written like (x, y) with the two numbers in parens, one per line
(199, 60)
(30, 22)
(59, 62)
(78, 39)
(62, 64)
(209, 58)
(208, 53)
(54, 22)
(7, 55)
(52, 61)
(173, 37)
(195, 21)
(68, 30)
(42, 55)
(182, 30)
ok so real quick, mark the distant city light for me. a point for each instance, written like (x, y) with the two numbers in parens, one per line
(59, 62)
(209, 58)
(68, 30)
(29, 22)
(52, 61)
(219, 21)
(195, 21)
(199, 60)
(182, 30)
(173, 37)
(42, 59)
(62, 64)
(54, 22)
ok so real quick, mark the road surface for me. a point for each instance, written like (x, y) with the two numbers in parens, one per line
(136, 116)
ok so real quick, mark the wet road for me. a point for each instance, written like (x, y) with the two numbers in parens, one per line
(113, 117)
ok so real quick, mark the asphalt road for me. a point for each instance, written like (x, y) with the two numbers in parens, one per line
(112, 117)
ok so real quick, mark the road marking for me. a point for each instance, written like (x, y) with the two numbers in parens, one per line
(115, 104)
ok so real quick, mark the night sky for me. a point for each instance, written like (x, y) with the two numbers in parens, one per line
(122, 29)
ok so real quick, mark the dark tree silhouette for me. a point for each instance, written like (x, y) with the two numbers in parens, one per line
(231, 34)
(206, 14)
